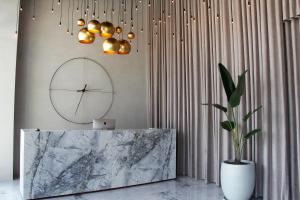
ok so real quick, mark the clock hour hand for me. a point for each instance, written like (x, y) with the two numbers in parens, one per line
(83, 91)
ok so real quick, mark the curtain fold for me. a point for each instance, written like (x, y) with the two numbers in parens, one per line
(187, 40)
(291, 9)
(292, 33)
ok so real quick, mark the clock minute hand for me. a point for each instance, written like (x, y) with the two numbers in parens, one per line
(83, 91)
(79, 103)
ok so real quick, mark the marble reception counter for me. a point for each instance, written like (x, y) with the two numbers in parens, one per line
(55, 163)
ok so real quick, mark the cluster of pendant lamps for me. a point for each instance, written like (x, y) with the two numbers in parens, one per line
(88, 13)
(111, 45)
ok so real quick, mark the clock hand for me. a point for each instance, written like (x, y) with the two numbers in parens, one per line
(79, 103)
(83, 91)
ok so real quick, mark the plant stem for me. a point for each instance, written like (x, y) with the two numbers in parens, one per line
(236, 138)
(235, 135)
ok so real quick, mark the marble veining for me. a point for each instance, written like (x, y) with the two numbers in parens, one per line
(183, 188)
(55, 163)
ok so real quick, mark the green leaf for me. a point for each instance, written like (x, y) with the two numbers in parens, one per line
(228, 125)
(249, 114)
(252, 133)
(228, 83)
(241, 83)
(239, 91)
(235, 99)
(220, 107)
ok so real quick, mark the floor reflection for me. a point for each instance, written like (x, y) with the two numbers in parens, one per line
(181, 189)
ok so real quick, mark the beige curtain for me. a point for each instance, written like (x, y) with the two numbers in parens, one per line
(187, 39)
(291, 9)
(292, 32)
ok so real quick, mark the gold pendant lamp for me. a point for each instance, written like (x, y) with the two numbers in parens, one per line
(125, 47)
(89, 25)
(94, 26)
(80, 22)
(131, 35)
(111, 46)
(118, 29)
(107, 30)
(86, 37)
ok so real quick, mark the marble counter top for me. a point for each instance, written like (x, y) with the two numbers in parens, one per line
(55, 163)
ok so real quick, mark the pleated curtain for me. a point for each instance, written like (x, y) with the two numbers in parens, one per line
(291, 14)
(292, 31)
(187, 40)
(291, 9)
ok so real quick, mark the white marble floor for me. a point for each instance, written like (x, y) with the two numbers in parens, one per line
(181, 189)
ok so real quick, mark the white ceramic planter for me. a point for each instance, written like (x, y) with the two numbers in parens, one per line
(238, 181)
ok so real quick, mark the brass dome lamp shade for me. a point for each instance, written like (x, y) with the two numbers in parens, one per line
(86, 17)
(125, 47)
(111, 46)
(94, 26)
(131, 35)
(80, 22)
(86, 37)
(107, 30)
(119, 29)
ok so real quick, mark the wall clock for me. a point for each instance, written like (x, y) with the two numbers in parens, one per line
(81, 90)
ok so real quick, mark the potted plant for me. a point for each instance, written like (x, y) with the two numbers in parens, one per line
(237, 176)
